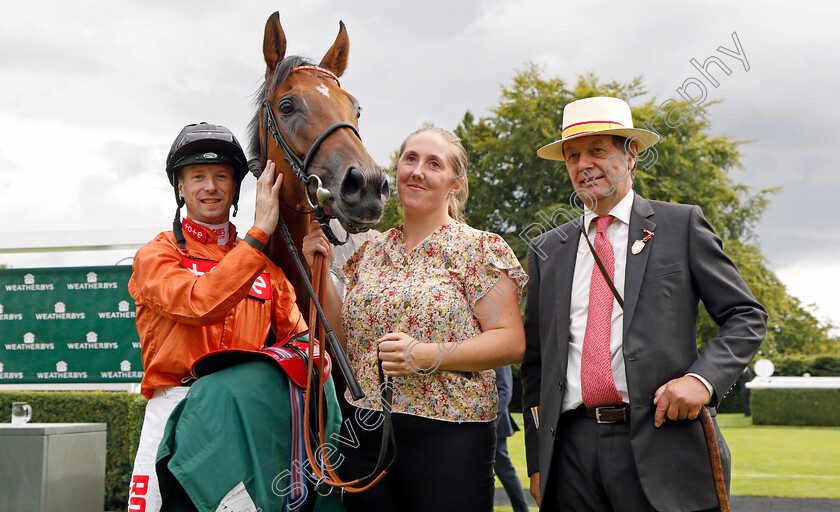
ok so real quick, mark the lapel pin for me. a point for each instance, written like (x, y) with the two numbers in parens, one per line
(638, 245)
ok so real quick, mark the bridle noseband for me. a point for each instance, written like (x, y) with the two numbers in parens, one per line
(301, 167)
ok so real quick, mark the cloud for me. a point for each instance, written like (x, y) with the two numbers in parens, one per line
(93, 93)
(815, 282)
(126, 159)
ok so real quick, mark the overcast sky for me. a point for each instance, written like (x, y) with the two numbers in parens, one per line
(93, 93)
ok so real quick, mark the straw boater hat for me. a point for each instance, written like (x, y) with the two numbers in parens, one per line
(597, 116)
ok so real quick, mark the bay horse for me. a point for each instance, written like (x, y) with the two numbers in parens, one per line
(307, 124)
(302, 106)
(313, 123)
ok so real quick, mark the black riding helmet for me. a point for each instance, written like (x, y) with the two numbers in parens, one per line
(205, 143)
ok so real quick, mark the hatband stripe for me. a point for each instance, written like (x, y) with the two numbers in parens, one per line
(589, 126)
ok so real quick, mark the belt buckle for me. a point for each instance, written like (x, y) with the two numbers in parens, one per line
(598, 415)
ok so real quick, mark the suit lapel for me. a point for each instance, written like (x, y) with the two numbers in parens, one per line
(640, 219)
(564, 275)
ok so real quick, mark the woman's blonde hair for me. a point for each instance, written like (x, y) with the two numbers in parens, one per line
(457, 160)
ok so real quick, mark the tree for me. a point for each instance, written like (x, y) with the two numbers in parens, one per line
(518, 195)
(791, 326)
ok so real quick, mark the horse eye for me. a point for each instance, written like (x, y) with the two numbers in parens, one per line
(358, 112)
(285, 107)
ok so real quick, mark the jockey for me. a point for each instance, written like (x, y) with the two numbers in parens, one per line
(183, 309)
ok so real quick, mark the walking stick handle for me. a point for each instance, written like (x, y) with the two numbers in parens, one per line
(714, 458)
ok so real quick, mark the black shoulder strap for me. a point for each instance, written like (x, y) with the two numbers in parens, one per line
(178, 231)
(601, 266)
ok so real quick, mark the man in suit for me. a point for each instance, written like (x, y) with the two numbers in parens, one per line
(611, 376)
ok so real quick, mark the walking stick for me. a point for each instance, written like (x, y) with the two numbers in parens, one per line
(714, 459)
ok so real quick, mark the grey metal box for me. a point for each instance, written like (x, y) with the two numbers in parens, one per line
(52, 466)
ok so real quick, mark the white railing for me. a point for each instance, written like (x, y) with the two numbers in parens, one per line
(794, 383)
(77, 240)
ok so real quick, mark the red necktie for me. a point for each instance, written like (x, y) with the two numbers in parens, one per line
(596, 378)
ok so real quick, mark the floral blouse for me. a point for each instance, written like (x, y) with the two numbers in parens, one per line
(428, 294)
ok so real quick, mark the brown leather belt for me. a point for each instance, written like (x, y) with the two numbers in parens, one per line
(606, 414)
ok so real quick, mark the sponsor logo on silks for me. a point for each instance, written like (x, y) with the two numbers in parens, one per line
(137, 493)
(29, 285)
(260, 289)
(60, 314)
(9, 316)
(122, 313)
(196, 231)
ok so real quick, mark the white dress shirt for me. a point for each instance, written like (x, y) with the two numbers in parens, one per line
(617, 233)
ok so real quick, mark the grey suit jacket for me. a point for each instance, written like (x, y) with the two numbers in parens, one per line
(682, 264)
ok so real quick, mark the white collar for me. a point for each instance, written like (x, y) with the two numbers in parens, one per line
(621, 211)
(222, 231)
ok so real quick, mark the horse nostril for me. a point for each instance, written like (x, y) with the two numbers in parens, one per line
(385, 190)
(351, 186)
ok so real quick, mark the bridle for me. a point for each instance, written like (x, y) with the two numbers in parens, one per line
(320, 464)
(301, 167)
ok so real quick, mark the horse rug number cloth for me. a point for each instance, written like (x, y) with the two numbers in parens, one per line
(227, 445)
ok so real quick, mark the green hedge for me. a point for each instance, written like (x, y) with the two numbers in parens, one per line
(122, 412)
(816, 365)
(813, 407)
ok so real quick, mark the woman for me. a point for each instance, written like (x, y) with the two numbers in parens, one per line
(438, 303)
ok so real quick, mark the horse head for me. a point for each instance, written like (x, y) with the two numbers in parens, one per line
(308, 125)
(318, 121)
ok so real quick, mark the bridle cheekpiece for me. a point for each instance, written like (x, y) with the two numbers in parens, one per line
(301, 167)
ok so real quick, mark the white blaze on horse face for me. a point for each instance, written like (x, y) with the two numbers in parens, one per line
(323, 90)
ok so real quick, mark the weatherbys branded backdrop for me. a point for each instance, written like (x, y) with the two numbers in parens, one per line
(68, 325)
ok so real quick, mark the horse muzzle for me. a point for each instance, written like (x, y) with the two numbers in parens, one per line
(361, 198)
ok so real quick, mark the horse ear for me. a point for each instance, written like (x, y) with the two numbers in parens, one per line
(336, 58)
(274, 43)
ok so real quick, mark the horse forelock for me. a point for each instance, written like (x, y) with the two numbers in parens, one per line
(264, 92)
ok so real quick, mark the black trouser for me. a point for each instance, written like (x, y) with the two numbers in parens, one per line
(593, 469)
(440, 466)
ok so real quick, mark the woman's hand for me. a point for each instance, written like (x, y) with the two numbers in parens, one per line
(403, 355)
(316, 242)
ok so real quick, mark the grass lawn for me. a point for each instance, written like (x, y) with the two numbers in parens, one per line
(793, 462)
(781, 461)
